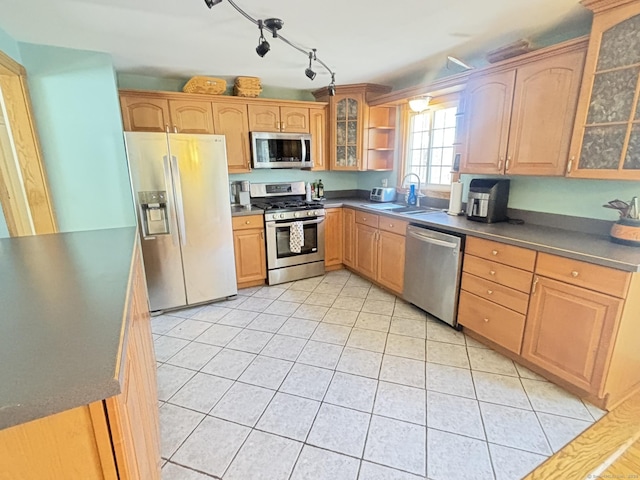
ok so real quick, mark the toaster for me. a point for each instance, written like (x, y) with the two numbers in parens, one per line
(382, 194)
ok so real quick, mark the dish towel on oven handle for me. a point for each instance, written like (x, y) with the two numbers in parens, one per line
(296, 237)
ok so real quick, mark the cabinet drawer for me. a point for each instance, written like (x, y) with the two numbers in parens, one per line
(367, 219)
(499, 273)
(392, 225)
(587, 275)
(492, 291)
(247, 221)
(499, 324)
(518, 257)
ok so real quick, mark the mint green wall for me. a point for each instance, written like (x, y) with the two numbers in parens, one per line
(331, 180)
(75, 102)
(9, 46)
(147, 82)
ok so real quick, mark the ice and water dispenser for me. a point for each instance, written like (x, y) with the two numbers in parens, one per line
(153, 210)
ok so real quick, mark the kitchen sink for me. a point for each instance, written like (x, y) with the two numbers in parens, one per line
(410, 210)
(380, 206)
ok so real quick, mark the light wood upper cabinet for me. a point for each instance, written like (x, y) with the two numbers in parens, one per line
(333, 237)
(569, 330)
(189, 116)
(519, 120)
(145, 114)
(273, 118)
(319, 138)
(606, 137)
(232, 121)
(544, 105)
(349, 240)
(391, 252)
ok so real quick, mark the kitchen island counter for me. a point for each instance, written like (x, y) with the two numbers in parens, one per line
(64, 299)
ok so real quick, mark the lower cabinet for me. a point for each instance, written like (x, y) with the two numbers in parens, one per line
(249, 247)
(349, 240)
(374, 246)
(113, 439)
(333, 232)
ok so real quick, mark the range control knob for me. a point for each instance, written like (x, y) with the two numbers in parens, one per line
(309, 213)
(282, 215)
(317, 213)
(297, 214)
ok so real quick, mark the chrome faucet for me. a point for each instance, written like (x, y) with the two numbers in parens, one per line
(418, 190)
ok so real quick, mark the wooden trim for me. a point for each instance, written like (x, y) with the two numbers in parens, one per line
(29, 159)
(253, 283)
(331, 268)
(156, 94)
(437, 88)
(103, 440)
(370, 90)
(598, 6)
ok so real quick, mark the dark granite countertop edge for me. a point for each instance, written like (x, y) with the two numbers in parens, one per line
(550, 246)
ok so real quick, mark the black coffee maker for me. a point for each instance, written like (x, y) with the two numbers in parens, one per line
(488, 198)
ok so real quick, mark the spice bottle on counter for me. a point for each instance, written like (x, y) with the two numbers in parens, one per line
(320, 189)
(313, 191)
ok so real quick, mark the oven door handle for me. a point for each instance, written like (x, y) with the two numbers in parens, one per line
(308, 222)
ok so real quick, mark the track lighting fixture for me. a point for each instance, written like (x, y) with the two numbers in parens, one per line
(332, 85)
(274, 25)
(308, 72)
(263, 46)
(458, 62)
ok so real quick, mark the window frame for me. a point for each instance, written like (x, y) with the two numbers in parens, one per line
(438, 103)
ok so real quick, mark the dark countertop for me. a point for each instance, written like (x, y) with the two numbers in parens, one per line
(63, 300)
(240, 211)
(566, 243)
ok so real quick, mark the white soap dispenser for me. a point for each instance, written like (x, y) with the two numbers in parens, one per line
(307, 190)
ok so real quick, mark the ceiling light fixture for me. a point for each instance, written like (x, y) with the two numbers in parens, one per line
(458, 62)
(263, 46)
(274, 25)
(420, 104)
(308, 72)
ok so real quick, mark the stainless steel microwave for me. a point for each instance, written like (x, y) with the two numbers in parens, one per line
(281, 150)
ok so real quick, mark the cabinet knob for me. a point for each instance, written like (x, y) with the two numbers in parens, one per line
(494, 252)
(492, 272)
(575, 273)
(391, 225)
(486, 320)
(247, 222)
(490, 292)
(364, 219)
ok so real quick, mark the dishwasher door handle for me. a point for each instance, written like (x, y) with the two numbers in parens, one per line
(435, 241)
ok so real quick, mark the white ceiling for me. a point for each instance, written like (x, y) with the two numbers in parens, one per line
(361, 40)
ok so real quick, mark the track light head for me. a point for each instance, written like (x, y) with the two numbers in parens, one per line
(263, 46)
(308, 72)
(212, 3)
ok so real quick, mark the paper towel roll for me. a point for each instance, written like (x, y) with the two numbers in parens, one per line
(455, 199)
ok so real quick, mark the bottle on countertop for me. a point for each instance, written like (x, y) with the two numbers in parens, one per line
(412, 199)
(307, 191)
(313, 191)
(320, 189)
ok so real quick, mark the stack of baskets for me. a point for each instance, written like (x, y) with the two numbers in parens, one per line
(208, 85)
(247, 87)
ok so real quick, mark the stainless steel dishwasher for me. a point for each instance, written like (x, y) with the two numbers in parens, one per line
(432, 272)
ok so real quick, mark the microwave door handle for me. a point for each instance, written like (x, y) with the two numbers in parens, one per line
(304, 159)
(310, 222)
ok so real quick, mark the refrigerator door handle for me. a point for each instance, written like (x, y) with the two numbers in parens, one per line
(177, 188)
(169, 183)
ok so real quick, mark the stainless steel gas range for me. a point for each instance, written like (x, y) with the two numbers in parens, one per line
(286, 211)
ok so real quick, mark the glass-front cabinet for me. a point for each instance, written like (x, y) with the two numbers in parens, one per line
(348, 155)
(606, 138)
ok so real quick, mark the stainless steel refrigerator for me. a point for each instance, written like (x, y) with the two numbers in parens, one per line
(181, 190)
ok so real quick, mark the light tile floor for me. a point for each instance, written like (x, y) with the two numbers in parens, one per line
(333, 378)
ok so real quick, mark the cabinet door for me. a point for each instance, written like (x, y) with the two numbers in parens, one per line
(543, 114)
(569, 332)
(606, 137)
(349, 244)
(366, 250)
(249, 248)
(133, 415)
(189, 116)
(333, 231)
(143, 114)
(319, 138)
(264, 118)
(391, 248)
(489, 99)
(294, 119)
(347, 118)
(232, 121)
